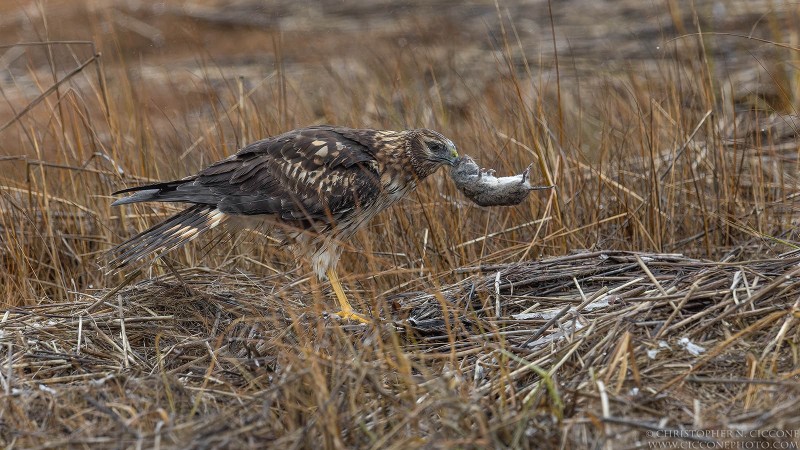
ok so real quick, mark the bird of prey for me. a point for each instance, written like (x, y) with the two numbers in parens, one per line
(311, 186)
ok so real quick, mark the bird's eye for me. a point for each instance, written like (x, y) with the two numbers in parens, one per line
(436, 147)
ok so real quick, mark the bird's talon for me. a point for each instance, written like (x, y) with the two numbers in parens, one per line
(350, 315)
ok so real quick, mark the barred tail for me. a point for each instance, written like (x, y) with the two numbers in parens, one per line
(167, 235)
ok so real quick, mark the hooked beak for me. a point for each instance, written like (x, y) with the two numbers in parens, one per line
(453, 153)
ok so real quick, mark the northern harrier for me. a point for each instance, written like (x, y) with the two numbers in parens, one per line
(315, 186)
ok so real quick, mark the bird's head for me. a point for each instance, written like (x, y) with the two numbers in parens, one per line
(430, 150)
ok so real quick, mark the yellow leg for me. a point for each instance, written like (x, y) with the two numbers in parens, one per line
(347, 310)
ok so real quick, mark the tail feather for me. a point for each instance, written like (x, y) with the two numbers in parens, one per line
(184, 190)
(167, 235)
(169, 185)
(143, 195)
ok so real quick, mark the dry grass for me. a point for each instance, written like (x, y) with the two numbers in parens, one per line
(498, 329)
(525, 354)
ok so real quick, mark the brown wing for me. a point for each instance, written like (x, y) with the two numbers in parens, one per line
(307, 175)
(312, 175)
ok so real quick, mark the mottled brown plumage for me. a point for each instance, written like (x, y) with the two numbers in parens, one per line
(314, 186)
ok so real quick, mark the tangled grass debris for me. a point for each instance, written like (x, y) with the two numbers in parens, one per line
(637, 342)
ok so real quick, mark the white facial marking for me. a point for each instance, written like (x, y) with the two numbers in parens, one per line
(318, 143)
